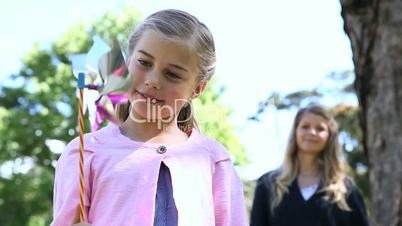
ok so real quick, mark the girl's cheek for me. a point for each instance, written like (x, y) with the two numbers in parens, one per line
(324, 138)
(137, 74)
(299, 131)
(173, 92)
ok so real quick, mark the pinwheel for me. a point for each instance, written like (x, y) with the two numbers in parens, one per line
(103, 82)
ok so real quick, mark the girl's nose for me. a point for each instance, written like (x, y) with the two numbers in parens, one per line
(152, 81)
(313, 131)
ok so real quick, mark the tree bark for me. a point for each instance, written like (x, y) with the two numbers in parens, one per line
(375, 31)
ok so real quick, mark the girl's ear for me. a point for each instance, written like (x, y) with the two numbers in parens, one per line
(199, 89)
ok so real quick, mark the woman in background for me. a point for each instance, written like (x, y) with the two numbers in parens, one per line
(311, 187)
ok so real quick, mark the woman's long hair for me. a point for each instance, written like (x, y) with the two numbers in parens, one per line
(331, 163)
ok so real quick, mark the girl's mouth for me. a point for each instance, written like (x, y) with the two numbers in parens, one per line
(149, 98)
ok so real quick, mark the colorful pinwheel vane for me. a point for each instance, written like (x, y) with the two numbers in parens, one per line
(103, 76)
(103, 80)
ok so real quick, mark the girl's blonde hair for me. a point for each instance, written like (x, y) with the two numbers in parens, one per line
(180, 25)
(334, 177)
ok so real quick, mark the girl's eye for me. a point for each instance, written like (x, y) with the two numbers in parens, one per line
(320, 129)
(305, 126)
(144, 63)
(172, 75)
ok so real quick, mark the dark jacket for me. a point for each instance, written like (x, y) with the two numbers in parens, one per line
(293, 210)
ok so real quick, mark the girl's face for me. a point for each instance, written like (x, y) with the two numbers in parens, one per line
(312, 134)
(164, 73)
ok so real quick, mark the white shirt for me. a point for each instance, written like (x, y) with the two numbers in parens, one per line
(307, 192)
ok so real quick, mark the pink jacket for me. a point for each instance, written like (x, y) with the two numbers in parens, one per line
(121, 178)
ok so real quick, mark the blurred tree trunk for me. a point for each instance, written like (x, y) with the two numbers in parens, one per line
(375, 31)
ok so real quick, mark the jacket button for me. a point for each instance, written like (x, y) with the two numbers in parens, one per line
(161, 149)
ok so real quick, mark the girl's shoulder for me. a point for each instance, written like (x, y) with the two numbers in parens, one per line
(215, 148)
(93, 140)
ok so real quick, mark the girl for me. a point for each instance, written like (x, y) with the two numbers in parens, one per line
(311, 188)
(156, 168)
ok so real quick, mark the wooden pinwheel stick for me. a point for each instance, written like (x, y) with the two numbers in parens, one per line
(81, 86)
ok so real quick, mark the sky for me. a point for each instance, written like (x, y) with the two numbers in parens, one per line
(262, 46)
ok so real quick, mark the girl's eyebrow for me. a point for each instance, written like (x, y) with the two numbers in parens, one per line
(145, 53)
(179, 67)
(152, 57)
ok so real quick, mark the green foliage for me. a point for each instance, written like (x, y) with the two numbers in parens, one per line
(39, 104)
(212, 118)
(249, 189)
(26, 197)
(348, 121)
